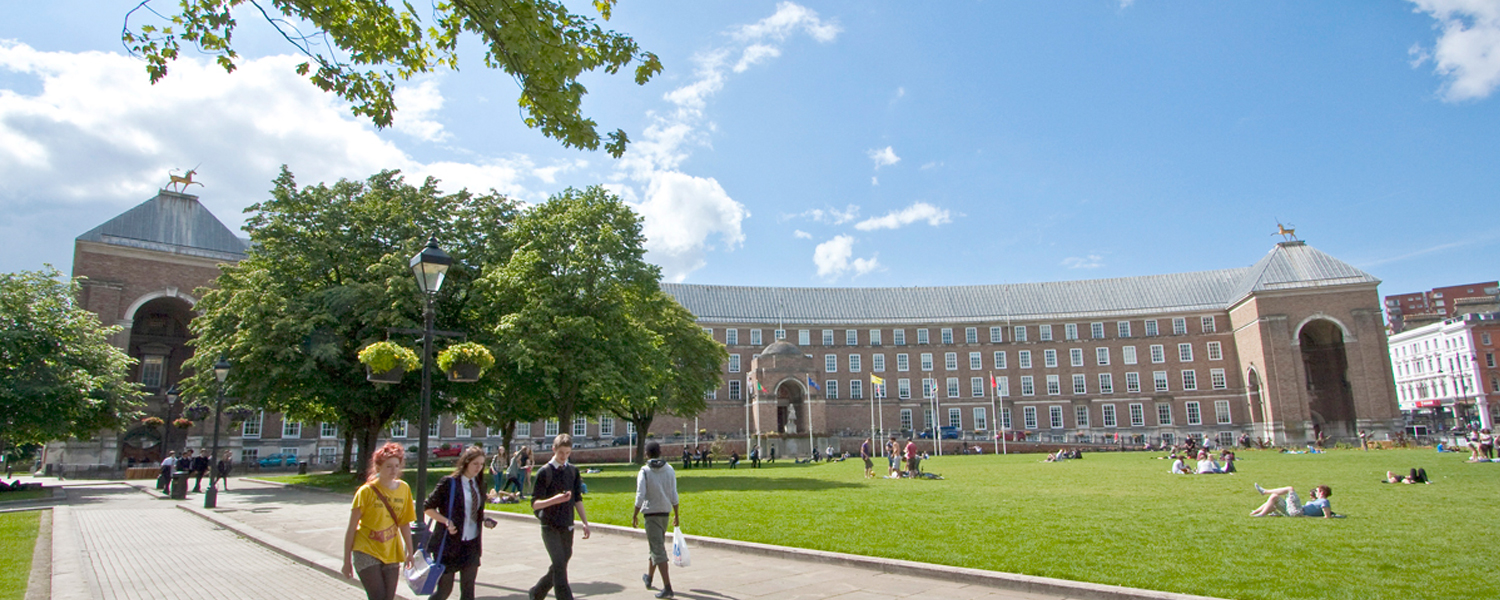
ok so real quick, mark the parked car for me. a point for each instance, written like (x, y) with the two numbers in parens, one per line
(450, 451)
(951, 433)
(279, 460)
(623, 440)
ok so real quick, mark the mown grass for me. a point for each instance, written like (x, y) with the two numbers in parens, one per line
(18, 531)
(24, 495)
(1115, 519)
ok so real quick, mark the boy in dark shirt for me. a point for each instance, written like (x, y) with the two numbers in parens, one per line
(557, 494)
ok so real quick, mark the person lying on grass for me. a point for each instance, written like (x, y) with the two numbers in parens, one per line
(1417, 475)
(1284, 502)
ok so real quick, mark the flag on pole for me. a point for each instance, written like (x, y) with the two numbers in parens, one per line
(760, 388)
(814, 384)
(874, 380)
(994, 384)
(878, 383)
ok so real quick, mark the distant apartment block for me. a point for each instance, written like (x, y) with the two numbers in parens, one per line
(1449, 367)
(1407, 311)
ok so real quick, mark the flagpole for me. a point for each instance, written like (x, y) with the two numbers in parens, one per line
(994, 395)
(807, 408)
(872, 410)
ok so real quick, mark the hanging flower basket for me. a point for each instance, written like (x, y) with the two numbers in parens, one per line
(387, 362)
(182, 423)
(197, 412)
(465, 361)
(153, 422)
(239, 414)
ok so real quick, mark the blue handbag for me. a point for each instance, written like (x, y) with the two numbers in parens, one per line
(427, 569)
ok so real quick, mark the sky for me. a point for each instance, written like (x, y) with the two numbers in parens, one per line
(848, 143)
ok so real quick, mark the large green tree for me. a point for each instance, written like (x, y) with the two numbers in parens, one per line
(358, 49)
(59, 375)
(326, 275)
(674, 372)
(563, 302)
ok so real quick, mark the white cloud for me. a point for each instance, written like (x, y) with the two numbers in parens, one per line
(920, 211)
(874, 180)
(932, 165)
(416, 105)
(1126, 3)
(1092, 261)
(832, 216)
(835, 258)
(682, 212)
(802, 235)
(788, 19)
(95, 137)
(883, 157)
(1467, 50)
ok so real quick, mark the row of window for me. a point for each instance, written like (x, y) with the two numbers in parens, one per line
(1082, 416)
(1080, 385)
(1000, 359)
(1019, 333)
(252, 428)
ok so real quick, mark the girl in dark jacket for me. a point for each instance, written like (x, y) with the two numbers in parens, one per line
(461, 526)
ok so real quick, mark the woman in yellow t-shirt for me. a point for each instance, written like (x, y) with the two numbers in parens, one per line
(378, 541)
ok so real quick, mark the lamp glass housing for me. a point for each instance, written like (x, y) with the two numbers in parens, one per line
(429, 266)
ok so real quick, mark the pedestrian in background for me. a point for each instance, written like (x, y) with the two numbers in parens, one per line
(200, 467)
(226, 464)
(378, 539)
(655, 493)
(164, 478)
(557, 495)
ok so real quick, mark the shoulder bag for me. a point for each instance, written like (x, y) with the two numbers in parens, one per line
(427, 569)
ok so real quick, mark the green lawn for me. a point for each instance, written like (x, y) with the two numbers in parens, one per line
(18, 532)
(1116, 519)
(41, 494)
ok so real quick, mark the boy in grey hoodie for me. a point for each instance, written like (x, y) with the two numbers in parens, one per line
(655, 491)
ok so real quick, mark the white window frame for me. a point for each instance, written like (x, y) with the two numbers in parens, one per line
(1028, 414)
(856, 389)
(252, 428)
(1185, 352)
(1019, 333)
(950, 361)
(1189, 380)
(831, 389)
(328, 431)
(804, 337)
(1101, 356)
(903, 362)
(976, 361)
(1107, 415)
(1081, 416)
(1028, 385)
(1179, 325)
(898, 337)
(734, 390)
(1163, 414)
(922, 338)
(946, 335)
(830, 363)
(953, 387)
(1127, 355)
(734, 363)
(1218, 379)
(903, 389)
(550, 428)
(976, 387)
(996, 335)
(1096, 330)
(1222, 414)
(875, 338)
(1004, 381)
(523, 430)
(755, 337)
(1075, 357)
(1215, 351)
(1137, 414)
(1044, 332)
(827, 337)
(1158, 354)
(731, 337)
(877, 363)
(955, 417)
(1054, 385)
(854, 364)
(981, 418)
(779, 334)
(1055, 417)
(1194, 412)
(906, 423)
(1106, 383)
(400, 429)
(999, 358)
(926, 360)
(580, 427)
(1122, 329)
(971, 335)
(606, 427)
(1151, 329)
(851, 337)
(1080, 384)
(1070, 331)
(1049, 358)
(1209, 324)
(1160, 382)
(1132, 383)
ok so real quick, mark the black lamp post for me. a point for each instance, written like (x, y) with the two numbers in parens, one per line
(428, 266)
(166, 431)
(211, 498)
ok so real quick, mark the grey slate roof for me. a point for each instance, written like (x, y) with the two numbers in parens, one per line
(171, 222)
(1289, 265)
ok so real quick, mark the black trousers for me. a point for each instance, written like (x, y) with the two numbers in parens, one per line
(559, 543)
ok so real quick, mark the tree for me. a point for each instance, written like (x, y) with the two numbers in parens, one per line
(327, 275)
(59, 375)
(539, 43)
(676, 371)
(562, 302)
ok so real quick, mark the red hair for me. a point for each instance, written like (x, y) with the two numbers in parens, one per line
(384, 453)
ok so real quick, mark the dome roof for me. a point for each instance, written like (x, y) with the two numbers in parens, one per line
(782, 348)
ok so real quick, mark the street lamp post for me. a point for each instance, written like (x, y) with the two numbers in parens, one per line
(211, 498)
(429, 266)
(166, 430)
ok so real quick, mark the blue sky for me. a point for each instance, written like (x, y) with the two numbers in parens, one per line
(852, 143)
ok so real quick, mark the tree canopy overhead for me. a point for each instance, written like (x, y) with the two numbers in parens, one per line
(59, 375)
(358, 49)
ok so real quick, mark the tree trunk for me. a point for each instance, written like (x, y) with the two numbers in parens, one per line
(367, 438)
(348, 448)
(642, 425)
(507, 433)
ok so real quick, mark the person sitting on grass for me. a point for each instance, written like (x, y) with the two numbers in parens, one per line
(1417, 475)
(1283, 501)
(734, 458)
(1178, 466)
(1207, 465)
(1227, 458)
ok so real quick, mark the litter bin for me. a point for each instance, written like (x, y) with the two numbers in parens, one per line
(302, 467)
(179, 485)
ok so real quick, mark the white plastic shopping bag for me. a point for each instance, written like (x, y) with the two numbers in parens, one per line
(680, 555)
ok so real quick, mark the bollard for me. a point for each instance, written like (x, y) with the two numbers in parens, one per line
(179, 485)
(302, 468)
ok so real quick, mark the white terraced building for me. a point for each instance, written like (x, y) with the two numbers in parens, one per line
(1447, 371)
(1290, 346)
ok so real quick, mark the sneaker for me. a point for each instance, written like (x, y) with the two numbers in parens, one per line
(646, 577)
(1260, 490)
(666, 593)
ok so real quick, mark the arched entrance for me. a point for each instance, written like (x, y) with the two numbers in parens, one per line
(158, 341)
(791, 409)
(1326, 366)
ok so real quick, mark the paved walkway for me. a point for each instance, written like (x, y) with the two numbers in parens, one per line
(269, 541)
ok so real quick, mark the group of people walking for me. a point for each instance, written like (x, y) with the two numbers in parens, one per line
(196, 467)
(378, 541)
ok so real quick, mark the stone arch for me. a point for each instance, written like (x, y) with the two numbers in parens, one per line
(792, 408)
(1348, 334)
(1325, 365)
(135, 307)
(1255, 396)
